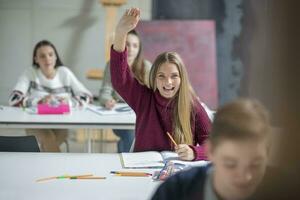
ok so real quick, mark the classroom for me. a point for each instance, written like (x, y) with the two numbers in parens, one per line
(83, 129)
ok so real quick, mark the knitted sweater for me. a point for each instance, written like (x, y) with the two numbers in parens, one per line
(154, 112)
(33, 85)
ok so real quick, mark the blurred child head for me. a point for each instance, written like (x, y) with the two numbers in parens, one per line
(238, 148)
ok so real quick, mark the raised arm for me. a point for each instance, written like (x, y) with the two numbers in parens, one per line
(122, 78)
(127, 22)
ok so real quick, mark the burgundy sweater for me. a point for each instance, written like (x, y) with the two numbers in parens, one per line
(153, 112)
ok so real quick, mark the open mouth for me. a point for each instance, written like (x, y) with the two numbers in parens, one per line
(168, 89)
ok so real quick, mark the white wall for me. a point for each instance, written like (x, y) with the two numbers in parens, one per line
(76, 27)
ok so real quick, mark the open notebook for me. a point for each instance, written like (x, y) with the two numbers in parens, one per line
(147, 159)
(120, 108)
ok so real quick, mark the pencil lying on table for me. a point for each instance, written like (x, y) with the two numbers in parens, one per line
(91, 177)
(120, 173)
(65, 176)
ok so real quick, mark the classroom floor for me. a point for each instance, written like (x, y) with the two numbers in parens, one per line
(103, 141)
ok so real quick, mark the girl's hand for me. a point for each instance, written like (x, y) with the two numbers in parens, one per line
(46, 99)
(127, 22)
(109, 104)
(185, 152)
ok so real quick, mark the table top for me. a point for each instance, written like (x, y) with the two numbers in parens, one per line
(19, 172)
(14, 117)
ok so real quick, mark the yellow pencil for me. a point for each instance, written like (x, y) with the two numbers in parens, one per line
(128, 173)
(171, 138)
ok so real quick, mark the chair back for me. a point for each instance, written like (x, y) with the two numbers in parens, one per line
(19, 144)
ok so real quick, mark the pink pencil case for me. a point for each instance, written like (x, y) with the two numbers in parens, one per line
(62, 108)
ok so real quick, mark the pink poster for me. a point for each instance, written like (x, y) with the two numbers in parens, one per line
(195, 41)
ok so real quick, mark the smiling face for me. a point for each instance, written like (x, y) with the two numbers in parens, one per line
(239, 167)
(46, 58)
(168, 80)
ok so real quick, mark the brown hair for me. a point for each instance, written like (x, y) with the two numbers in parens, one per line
(43, 43)
(138, 66)
(242, 119)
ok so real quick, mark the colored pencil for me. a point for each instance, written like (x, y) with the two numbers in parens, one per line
(62, 177)
(123, 173)
(92, 177)
(171, 138)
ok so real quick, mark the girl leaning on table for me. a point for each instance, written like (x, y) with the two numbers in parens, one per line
(46, 81)
(170, 105)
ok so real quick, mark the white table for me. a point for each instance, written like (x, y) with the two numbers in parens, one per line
(14, 117)
(19, 172)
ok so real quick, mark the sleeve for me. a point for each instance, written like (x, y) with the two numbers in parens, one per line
(170, 189)
(19, 93)
(186, 184)
(202, 129)
(106, 89)
(124, 82)
(81, 94)
(16, 98)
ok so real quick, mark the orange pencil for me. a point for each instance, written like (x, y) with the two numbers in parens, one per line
(130, 173)
(171, 138)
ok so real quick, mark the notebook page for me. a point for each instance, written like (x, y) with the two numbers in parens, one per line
(147, 159)
(169, 155)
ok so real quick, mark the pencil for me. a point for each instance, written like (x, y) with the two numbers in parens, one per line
(92, 177)
(171, 138)
(133, 175)
(61, 177)
(130, 173)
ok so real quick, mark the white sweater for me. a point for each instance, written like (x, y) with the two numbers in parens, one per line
(33, 85)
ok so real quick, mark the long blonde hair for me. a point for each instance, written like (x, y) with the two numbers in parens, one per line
(184, 99)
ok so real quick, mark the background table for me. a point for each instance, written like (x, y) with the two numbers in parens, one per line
(14, 117)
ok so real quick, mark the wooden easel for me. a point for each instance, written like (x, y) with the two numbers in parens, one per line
(111, 8)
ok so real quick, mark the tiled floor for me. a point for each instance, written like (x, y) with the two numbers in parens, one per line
(102, 141)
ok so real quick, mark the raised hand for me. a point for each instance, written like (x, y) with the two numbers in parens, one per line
(127, 22)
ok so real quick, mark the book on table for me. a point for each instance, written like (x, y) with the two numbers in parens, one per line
(153, 159)
(120, 108)
(147, 159)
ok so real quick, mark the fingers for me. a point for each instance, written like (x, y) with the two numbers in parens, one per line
(135, 12)
(127, 22)
(185, 152)
(110, 104)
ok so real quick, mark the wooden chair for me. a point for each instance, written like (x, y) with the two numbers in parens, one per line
(96, 74)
